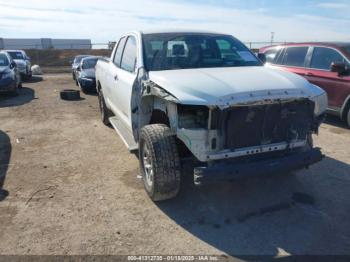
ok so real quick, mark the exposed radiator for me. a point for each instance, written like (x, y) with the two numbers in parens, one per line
(246, 126)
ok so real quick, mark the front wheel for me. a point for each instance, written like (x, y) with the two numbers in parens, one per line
(348, 118)
(159, 162)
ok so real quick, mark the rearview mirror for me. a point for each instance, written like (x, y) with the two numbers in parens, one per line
(262, 58)
(339, 68)
(178, 50)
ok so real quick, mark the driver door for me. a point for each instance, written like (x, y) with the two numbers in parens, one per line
(319, 73)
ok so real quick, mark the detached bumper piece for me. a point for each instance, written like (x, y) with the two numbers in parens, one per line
(231, 171)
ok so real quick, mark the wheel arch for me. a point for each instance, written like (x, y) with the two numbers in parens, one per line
(156, 110)
(345, 108)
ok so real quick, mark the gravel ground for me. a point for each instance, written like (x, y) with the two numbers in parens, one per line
(69, 186)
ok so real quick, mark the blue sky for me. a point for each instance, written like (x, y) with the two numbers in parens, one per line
(249, 20)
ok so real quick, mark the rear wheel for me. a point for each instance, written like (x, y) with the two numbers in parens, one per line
(105, 112)
(159, 162)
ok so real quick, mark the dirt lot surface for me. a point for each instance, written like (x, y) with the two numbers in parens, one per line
(69, 186)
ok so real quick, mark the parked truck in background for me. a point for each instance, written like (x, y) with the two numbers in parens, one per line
(204, 96)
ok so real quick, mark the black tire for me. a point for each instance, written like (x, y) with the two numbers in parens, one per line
(348, 118)
(82, 88)
(105, 112)
(163, 156)
(20, 82)
(70, 94)
(73, 75)
(310, 141)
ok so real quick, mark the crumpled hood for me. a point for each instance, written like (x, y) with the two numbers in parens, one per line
(88, 73)
(232, 85)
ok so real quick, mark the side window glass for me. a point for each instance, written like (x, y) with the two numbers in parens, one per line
(295, 56)
(118, 53)
(279, 56)
(4, 60)
(129, 55)
(323, 57)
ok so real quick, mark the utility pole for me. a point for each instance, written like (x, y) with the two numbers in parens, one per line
(272, 37)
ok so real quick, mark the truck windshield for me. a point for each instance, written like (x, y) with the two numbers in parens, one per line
(16, 55)
(89, 63)
(169, 51)
(4, 60)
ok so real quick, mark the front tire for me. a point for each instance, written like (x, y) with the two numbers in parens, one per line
(159, 162)
(348, 118)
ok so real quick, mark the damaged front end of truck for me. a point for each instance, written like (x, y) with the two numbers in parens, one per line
(242, 135)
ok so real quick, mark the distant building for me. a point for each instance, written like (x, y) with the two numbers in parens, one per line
(44, 43)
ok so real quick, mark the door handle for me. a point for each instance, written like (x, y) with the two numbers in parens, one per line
(309, 74)
(116, 77)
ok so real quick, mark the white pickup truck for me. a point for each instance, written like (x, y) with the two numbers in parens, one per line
(204, 96)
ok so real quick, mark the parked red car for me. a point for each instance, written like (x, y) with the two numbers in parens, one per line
(326, 65)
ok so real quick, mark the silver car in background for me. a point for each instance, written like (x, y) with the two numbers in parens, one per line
(22, 61)
(85, 74)
(75, 63)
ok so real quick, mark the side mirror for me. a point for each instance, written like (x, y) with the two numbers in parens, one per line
(262, 58)
(339, 68)
(78, 68)
(13, 64)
